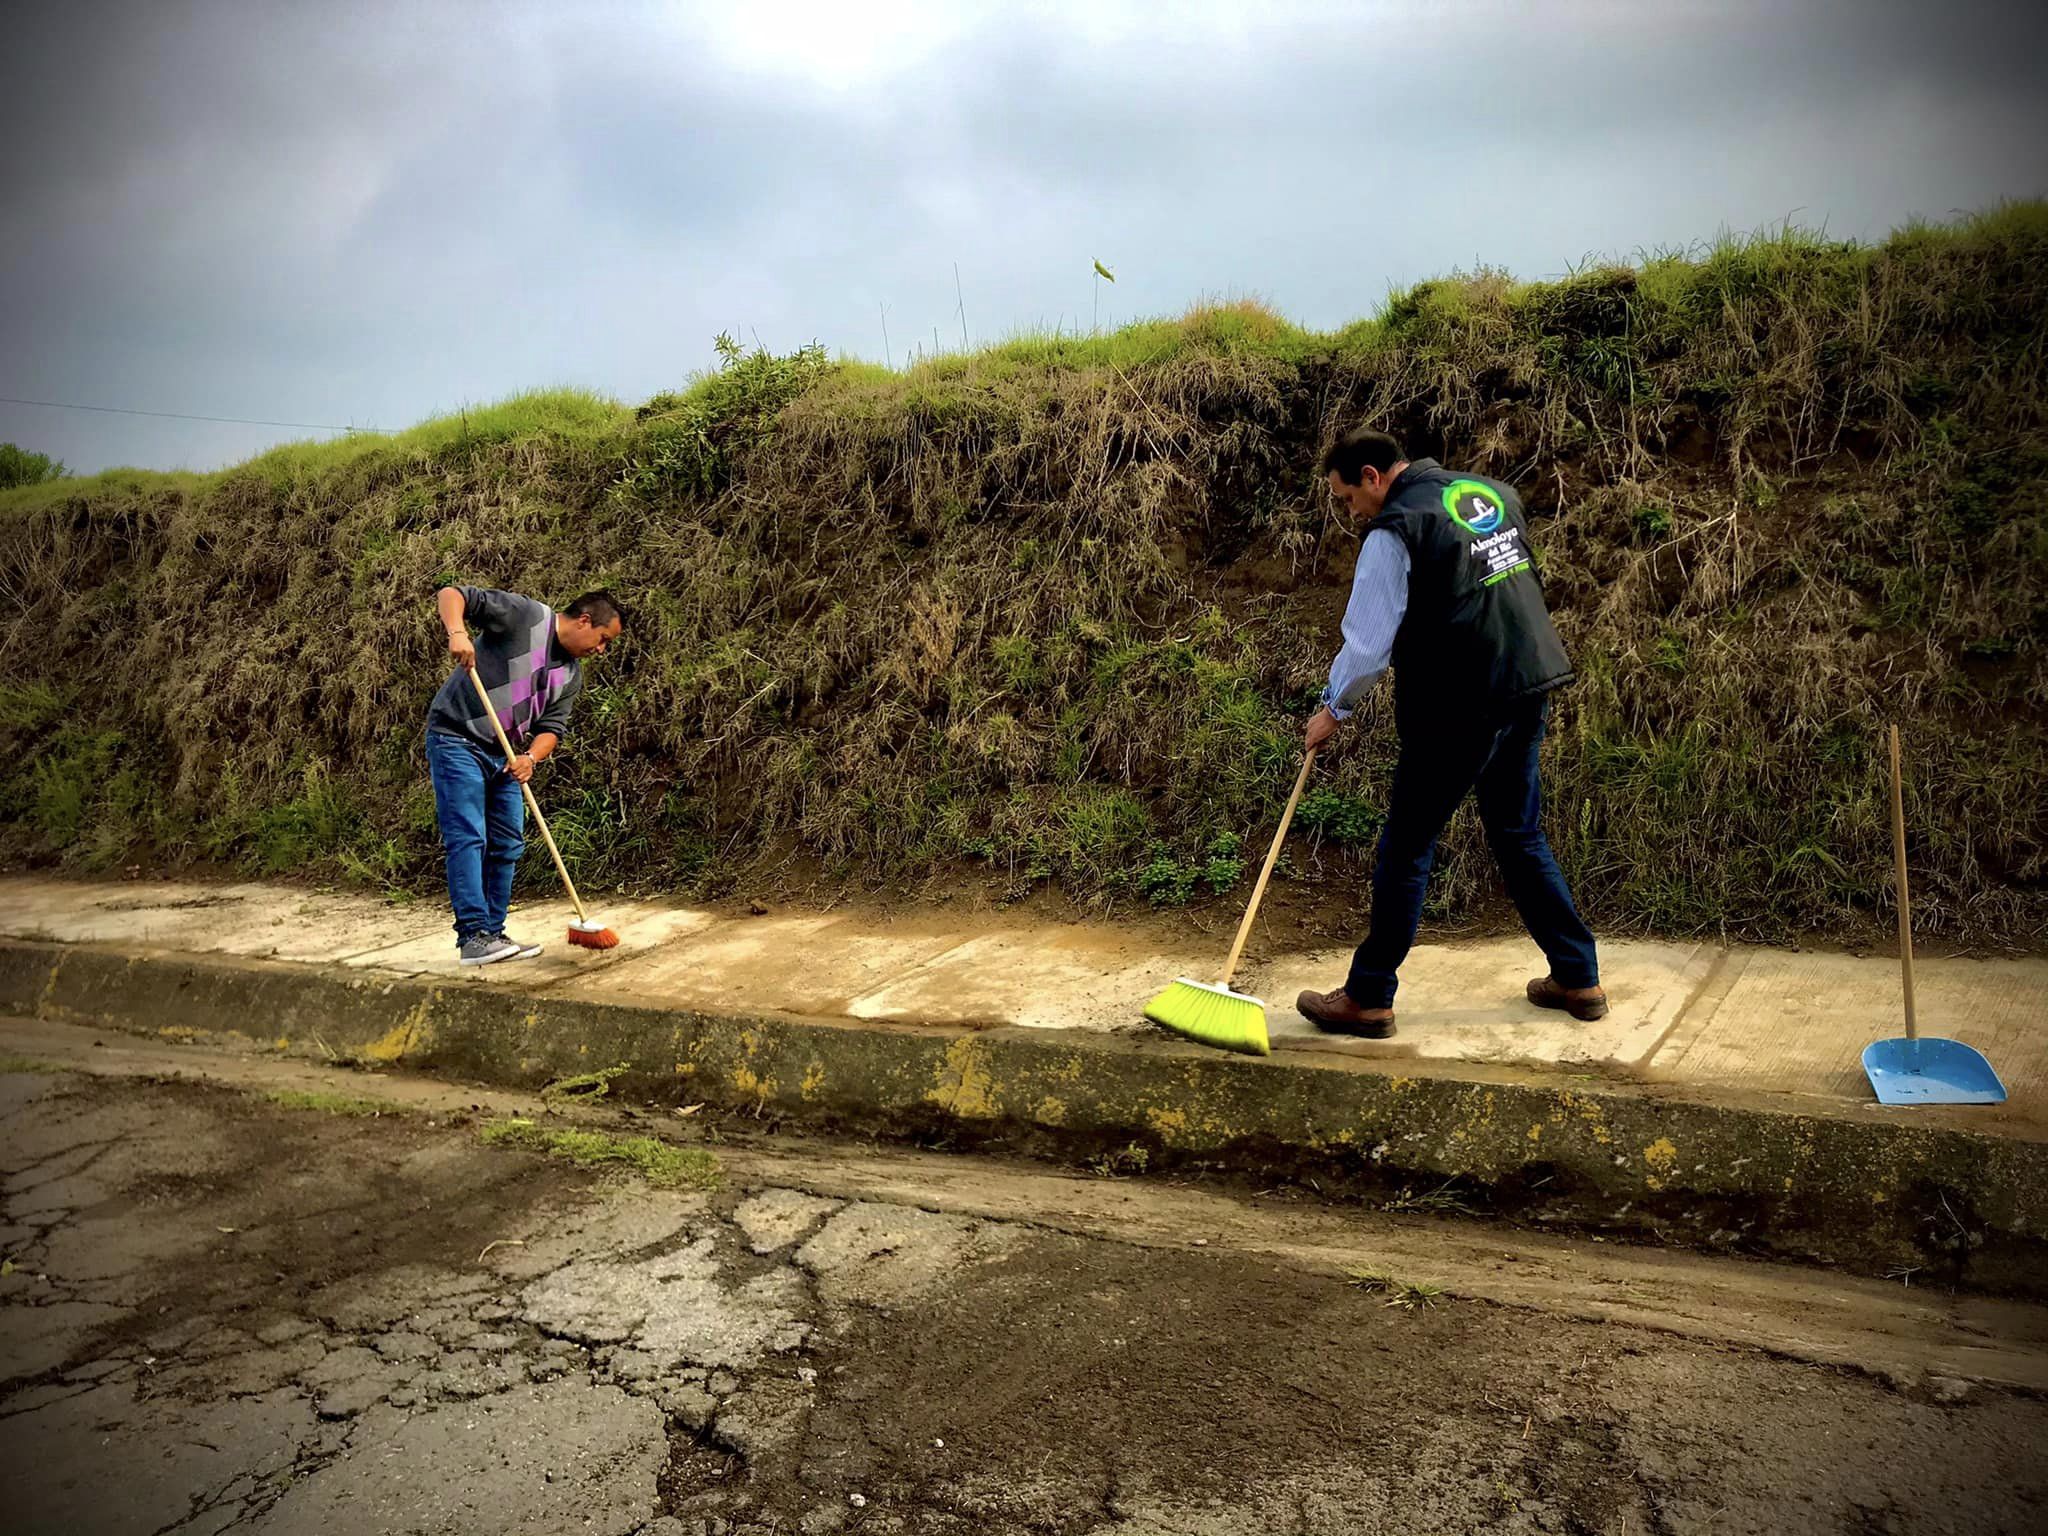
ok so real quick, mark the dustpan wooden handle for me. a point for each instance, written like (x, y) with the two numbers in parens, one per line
(1905, 898)
(1244, 929)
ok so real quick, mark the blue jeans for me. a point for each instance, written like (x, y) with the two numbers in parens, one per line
(483, 830)
(1442, 762)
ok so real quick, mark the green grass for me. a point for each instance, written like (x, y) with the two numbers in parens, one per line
(1052, 611)
(28, 1064)
(535, 414)
(139, 485)
(322, 1102)
(1440, 1201)
(1234, 328)
(660, 1163)
(1408, 1295)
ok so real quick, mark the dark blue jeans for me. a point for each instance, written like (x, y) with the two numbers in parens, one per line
(1441, 763)
(483, 830)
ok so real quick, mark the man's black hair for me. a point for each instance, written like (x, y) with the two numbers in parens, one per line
(599, 607)
(1359, 449)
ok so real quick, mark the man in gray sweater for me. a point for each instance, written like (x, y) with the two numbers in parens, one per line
(530, 659)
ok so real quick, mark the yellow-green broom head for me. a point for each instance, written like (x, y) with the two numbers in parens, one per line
(1212, 1015)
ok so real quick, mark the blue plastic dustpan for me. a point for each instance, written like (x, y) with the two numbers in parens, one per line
(1913, 1070)
(1930, 1071)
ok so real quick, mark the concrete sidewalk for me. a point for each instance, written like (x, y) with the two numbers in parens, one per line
(1720, 1105)
(1712, 1020)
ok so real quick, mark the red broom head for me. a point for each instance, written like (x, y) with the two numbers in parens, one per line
(592, 937)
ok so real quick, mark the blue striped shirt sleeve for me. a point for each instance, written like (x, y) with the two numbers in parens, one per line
(1379, 598)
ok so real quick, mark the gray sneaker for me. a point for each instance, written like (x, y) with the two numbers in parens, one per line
(486, 949)
(520, 951)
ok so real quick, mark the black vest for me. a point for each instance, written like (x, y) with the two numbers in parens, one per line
(1476, 635)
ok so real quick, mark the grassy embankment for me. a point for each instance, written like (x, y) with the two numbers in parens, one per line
(1052, 611)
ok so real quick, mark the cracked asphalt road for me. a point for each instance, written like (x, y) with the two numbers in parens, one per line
(220, 1313)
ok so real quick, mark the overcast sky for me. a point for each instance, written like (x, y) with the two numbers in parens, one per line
(370, 212)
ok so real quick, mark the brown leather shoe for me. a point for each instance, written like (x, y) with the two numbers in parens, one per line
(1583, 1003)
(1335, 1013)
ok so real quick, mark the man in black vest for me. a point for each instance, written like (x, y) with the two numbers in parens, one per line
(1447, 592)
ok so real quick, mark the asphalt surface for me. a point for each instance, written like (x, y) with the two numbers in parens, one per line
(226, 1312)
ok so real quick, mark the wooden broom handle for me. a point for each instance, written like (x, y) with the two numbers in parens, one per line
(1905, 898)
(532, 804)
(1244, 928)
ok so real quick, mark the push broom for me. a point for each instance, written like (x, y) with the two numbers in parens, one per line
(582, 932)
(1211, 1013)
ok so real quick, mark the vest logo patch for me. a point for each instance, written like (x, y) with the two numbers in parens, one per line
(1474, 507)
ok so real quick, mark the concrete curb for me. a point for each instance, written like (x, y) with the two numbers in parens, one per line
(1875, 1194)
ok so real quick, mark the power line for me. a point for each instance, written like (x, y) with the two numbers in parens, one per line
(240, 421)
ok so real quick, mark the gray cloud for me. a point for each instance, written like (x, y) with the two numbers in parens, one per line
(369, 213)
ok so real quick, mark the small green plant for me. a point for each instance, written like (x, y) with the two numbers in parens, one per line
(1167, 881)
(1668, 652)
(30, 706)
(318, 822)
(1339, 817)
(692, 440)
(376, 862)
(658, 1162)
(1410, 1296)
(1653, 522)
(1994, 648)
(589, 1085)
(1225, 865)
(67, 781)
(1017, 659)
(1128, 1160)
(1441, 1201)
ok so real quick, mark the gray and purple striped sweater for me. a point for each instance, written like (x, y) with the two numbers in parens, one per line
(532, 680)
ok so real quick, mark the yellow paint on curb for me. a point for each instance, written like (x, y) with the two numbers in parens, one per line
(392, 1045)
(1168, 1123)
(1592, 1113)
(964, 1085)
(1662, 1157)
